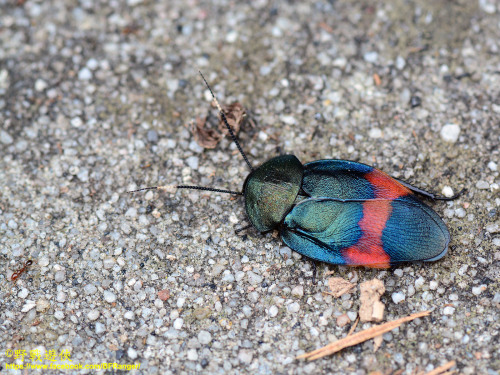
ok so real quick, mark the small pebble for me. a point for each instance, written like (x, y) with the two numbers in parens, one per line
(60, 276)
(343, 320)
(253, 278)
(40, 85)
(493, 166)
(5, 138)
(293, 307)
(375, 133)
(93, 315)
(398, 297)
(178, 323)
(109, 296)
(204, 337)
(273, 311)
(84, 74)
(477, 290)
(231, 36)
(447, 191)
(192, 355)
(450, 133)
(400, 63)
(193, 162)
(59, 315)
(415, 101)
(180, 302)
(298, 291)
(131, 353)
(448, 310)
(371, 57)
(245, 356)
(483, 185)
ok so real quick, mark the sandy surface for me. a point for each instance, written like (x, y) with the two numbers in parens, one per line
(96, 99)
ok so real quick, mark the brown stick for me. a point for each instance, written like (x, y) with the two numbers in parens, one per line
(360, 337)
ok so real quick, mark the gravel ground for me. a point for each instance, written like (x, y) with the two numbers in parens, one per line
(96, 99)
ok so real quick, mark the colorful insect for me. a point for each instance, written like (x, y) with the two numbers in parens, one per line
(338, 211)
(19, 272)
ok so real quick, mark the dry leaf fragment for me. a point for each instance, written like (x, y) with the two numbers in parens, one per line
(371, 309)
(360, 337)
(204, 135)
(208, 136)
(235, 114)
(338, 286)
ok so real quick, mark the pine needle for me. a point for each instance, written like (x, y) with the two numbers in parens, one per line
(360, 337)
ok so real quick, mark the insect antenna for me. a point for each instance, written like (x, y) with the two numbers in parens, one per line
(172, 188)
(222, 114)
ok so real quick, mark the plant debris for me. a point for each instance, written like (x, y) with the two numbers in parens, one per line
(442, 370)
(338, 286)
(360, 337)
(371, 309)
(208, 136)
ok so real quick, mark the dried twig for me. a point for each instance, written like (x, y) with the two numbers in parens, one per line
(441, 369)
(360, 337)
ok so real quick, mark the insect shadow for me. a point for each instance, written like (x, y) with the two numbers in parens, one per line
(338, 211)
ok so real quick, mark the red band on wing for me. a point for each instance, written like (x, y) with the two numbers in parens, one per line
(385, 186)
(369, 251)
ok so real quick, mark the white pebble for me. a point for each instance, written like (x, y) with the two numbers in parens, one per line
(298, 291)
(109, 296)
(375, 133)
(231, 36)
(132, 353)
(28, 306)
(398, 297)
(477, 290)
(181, 301)
(76, 122)
(245, 356)
(371, 57)
(40, 85)
(192, 355)
(92, 64)
(294, 307)
(178, 323)
(204, 337)
(483, 185)
(273, 311)
(450, 133)
(253, 278)
(84, 74)
(193, 162)
(448, 310)
(23, 293)
(400, 63)
(419, 282)
(59, 315)
(493, 166)
(447, 191)
(5, 138)
(93, 315)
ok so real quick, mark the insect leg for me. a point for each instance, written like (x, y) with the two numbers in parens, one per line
(315, 270)
(428, 194)
(236, 231)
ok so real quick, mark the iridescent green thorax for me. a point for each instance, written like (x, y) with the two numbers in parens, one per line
(270, 191)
